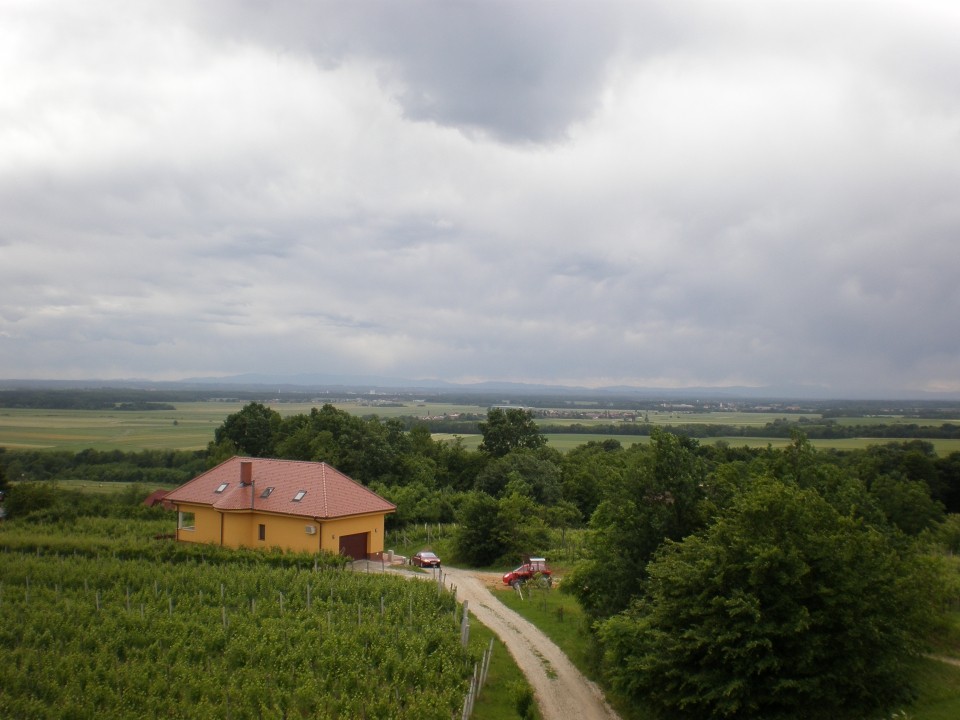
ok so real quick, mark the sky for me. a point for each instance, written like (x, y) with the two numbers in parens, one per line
(675, 193)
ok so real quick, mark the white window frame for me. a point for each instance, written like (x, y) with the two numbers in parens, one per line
(186, 520)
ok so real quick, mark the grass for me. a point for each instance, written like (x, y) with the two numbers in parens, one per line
(567, 441)
(938, 691)
(497, 699)
(108, 488)
(191, 426)
(560, 617)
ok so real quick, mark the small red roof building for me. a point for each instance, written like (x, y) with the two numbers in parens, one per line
(158, 497)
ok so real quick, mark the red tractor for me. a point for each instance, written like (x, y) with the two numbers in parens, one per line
(530, 569)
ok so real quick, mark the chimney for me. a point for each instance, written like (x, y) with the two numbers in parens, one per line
(246, 472)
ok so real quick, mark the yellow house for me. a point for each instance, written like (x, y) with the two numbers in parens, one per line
(299, 506)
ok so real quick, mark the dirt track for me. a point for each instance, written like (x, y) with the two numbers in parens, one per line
(561, 690)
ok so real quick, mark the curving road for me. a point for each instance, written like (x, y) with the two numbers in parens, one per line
(561, 690)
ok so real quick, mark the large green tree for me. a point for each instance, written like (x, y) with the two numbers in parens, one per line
(510, 429)
(492, 530)
(782, 609)
(479, 540)
(660, 496)
(252, 430)
(535, 473)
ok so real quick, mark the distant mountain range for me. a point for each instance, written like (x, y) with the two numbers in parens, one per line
(318, 382)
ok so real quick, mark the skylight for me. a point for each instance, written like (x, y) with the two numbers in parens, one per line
(223, 486)
(266, 493)
(299, 496)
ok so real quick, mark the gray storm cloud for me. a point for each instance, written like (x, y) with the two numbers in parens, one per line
(684, 193)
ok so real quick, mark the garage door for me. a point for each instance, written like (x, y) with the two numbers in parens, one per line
(354, 546)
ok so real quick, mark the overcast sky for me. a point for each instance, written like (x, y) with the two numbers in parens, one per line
(677, 193)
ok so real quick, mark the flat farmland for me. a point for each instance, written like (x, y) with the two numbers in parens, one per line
(191, 425)
(739, 419)
(567, 441)
(942, 447)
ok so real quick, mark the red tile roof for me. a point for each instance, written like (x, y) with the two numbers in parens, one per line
(328, 492)
(157, 497)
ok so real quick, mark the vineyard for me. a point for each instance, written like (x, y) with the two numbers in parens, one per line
(118, 627)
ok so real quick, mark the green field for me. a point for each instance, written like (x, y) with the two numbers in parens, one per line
(106, 488)
(191, 426)
(231, 633)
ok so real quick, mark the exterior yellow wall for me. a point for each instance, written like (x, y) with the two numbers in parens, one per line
(236, 529)
(206, 525)
(287, 532)
(332, 530)
(241, 529)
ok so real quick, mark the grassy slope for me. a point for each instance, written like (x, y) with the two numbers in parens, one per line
(560, 617)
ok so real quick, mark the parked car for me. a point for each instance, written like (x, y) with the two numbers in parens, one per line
(527, 571)
(425, 558)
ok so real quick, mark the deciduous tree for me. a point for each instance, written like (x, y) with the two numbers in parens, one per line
(510, 429)
(659, 497)
(782, 609)
(251, 430)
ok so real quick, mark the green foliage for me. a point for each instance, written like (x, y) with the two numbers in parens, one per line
(523, 699)
(906, 504)
(30, 497)
(947, 533)
(510, 429)
(167, 629)
(40, 502)
(659, 497)
(251, 430)
(149, 467)
(478, 540)
(781, 609)
(492, 531)
(418, 503)
(534, 473)
(588, 470)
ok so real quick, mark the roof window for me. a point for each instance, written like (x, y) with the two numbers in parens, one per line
(223, 486)
(299, 496)
(266, 493)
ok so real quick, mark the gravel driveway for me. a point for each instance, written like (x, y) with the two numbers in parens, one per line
(562, 692)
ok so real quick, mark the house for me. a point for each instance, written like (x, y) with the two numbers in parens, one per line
(295, 505)
(158, 497)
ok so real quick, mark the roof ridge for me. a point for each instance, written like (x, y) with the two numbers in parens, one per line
(323, 488)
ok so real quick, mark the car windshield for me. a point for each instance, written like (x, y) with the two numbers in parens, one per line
(427, 555)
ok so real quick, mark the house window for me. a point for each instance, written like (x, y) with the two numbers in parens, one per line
(262, 531)
(266, 493)
(223, 486)
(186, 521)
(299, 496)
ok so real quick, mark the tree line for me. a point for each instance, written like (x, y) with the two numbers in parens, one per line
(825, 429)
(721, 581)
